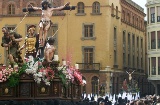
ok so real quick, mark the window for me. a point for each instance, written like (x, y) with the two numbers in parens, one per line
(153, 65)
(115, 57)
(149, 66)
(140, 26)
(133, 42)
(137, 43)
(142, 44)
(148, 15)
(128, 17)
(123, 13)
(88, 30)
(158, 65)
(133, 20)
(124, 59)
(137, 62)
(124, 40)
(80, 8)
(96, 8)
(115, 36)
(153, 40)
(129, 60)
(158, 39)
(141, 62)
(88, 54)
(95, 85)
(133, 62)
(129, 45)
(158, 14)
(152, 11)
(11, 9)
(124, 46)
(148, 41)
(137, 22)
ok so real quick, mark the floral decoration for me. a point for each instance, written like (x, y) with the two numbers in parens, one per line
(41, 73)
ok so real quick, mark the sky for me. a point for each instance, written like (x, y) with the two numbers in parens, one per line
(142, 4)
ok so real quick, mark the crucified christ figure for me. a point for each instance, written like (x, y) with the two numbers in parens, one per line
(45, 21)
(130, 75)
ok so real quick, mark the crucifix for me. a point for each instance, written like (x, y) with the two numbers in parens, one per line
(130, 75)
(45, 21)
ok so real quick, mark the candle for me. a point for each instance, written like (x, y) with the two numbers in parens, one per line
(55, 57)
(64, 63)
(76, 66)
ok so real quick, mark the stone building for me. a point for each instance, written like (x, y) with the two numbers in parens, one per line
(153, 42)
(105, 37)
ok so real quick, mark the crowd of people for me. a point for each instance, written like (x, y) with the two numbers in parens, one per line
(147, 100)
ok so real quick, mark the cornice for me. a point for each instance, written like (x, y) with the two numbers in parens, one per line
(135, 5)
(153, 26)
(152, 2)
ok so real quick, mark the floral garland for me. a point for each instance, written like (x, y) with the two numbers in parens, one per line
(40, 73)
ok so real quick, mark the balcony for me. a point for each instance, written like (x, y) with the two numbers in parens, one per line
(89, 66)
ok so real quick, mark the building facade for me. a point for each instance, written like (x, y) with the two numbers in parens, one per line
(153, 42)
(105, 37)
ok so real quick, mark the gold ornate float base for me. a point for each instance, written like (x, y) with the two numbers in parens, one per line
(28, 89)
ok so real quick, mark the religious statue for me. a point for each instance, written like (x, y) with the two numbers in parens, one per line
(45, 21)
(130, 75)
(11, 40)
(31, 42)
(124, 86)
(49, 50)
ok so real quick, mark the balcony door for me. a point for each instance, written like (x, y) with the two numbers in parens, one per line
(88, 58)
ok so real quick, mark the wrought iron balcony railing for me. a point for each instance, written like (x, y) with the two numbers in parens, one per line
(89, 66)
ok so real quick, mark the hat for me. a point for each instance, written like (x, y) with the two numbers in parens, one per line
(31, 26)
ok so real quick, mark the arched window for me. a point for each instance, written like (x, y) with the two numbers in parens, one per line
(96, 7)
(80, 7)
(95, 84)
(11, 9)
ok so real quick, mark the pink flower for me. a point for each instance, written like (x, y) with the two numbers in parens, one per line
(1, 74)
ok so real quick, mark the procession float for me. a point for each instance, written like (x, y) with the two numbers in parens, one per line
(40, 75)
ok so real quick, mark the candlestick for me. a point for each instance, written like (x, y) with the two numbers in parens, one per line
(64, 63)
(76, 66)
(55, 57)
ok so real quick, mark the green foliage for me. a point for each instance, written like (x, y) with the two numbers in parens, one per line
(14, 78)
